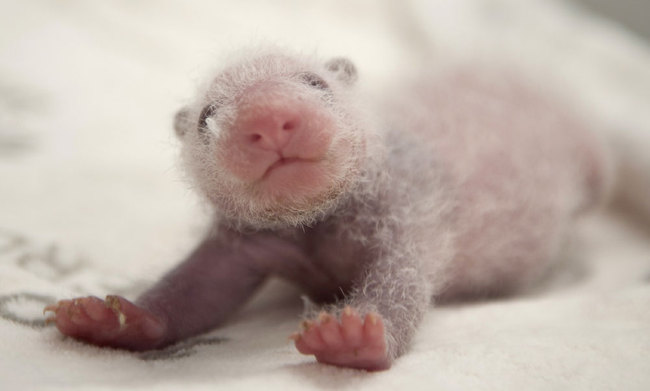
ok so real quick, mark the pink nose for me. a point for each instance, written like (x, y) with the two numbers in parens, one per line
(270, 130)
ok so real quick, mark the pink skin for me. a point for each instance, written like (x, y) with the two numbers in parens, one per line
(352, 341)
(280, 144)
(114, 322)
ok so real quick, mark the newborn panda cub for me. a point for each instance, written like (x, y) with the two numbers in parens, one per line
(455, 186)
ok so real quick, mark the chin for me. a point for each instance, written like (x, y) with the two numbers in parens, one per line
(292, 195)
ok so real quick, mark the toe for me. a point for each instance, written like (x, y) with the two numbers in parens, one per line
(301, 345)
(351, 327)
(311, 336)
(95, 309)
(330, 331)
(373, 329)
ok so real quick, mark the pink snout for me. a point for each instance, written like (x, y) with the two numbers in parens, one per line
(269, 130)
(274, 130)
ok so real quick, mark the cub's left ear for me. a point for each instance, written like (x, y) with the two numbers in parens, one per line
(343, 68)
(181, 121)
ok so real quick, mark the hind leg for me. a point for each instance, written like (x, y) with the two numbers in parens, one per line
(506, 253)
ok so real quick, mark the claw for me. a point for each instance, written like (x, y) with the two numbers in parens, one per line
(51, 308)
(306, 325)
(324, 317)
(113, 303)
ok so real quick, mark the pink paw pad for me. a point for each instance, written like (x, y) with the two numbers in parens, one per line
(112, 322)
(349, 342)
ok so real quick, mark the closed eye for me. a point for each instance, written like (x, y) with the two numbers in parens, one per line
(207, 112)
(314, 81)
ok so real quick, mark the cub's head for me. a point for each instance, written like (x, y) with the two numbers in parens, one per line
(274, 140)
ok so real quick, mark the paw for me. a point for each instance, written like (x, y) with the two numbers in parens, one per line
(112, 322)
(349, 342)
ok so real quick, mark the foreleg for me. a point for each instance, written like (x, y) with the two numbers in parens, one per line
(216, 279)
(375, 325)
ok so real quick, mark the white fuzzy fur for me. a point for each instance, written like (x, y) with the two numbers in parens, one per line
(464, 184)
(242, 203)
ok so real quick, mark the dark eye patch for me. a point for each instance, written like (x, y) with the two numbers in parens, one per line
(314, 81)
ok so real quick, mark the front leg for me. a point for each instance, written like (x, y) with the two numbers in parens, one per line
(375, 325)
(215, 280)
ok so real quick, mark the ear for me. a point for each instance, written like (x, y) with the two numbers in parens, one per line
(343, 68)
(181, 122)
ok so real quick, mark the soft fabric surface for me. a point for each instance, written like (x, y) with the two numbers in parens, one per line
(92, 201)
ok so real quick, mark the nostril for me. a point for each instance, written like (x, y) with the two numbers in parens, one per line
(255, 137)
(289, 125)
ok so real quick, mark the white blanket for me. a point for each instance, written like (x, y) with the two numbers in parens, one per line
(92, 202)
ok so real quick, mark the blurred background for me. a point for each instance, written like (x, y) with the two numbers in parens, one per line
(632, 14)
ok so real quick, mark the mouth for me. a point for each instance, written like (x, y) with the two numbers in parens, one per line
(284, 162)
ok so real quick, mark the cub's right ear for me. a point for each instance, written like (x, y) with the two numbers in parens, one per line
(182, 122)
(343, 68)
